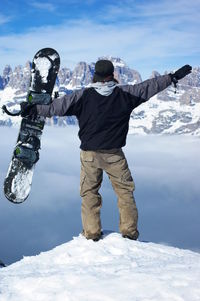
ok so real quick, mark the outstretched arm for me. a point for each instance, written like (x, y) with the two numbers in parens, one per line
(145, 90)
(61, 105)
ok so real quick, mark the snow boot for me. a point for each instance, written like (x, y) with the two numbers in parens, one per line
(130, 236)
(94, 237)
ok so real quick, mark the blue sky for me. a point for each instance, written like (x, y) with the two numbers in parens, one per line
(147, 35)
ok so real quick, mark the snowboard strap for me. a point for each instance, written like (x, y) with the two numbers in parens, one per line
(174, 81)
(32, 98)
(5, 110)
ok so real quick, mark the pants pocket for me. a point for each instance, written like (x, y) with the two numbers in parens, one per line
(87, 156)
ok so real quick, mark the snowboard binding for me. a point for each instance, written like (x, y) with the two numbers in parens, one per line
(27, 151)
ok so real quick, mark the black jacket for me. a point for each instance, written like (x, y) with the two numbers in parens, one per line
(104, 120)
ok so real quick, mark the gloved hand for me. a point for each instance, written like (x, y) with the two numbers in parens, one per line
(180, 73)
(28, 110)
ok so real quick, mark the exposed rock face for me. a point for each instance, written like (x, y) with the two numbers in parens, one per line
(7, 72)
(20, 78)
(82, 75)
(64, 76)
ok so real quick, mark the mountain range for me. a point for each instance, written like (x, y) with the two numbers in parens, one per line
(166, 113)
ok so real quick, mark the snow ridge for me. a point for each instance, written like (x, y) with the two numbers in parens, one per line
(112, 269)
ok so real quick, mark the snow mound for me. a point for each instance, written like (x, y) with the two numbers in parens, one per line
(113, 268)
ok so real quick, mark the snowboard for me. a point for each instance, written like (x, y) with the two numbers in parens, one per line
(44, 69)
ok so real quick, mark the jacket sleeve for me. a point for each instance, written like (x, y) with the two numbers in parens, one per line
(62, 106)
(145, 90)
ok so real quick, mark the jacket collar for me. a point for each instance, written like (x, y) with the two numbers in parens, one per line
(105, 88)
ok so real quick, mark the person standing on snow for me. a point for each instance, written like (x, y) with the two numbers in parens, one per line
(103, 111)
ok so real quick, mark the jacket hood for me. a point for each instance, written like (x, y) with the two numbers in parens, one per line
(104, 89)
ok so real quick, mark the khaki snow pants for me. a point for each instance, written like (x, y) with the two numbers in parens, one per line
(114, 163)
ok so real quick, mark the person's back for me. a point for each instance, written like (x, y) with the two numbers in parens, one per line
(103, 120)
(103, 111)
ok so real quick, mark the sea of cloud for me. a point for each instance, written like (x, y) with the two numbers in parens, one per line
(166, 173)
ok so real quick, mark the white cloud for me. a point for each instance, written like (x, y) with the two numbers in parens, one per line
(133, 8)
(4, 19)
(155, 36)
(43, 6)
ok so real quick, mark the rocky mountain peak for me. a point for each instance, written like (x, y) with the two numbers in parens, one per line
(7, 71)
(20, 78)
(82, 75)
(28, 66)
(154, 74)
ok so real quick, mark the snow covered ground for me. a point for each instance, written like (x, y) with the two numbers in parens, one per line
(111, 269)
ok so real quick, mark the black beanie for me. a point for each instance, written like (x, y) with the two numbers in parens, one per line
(103, 69)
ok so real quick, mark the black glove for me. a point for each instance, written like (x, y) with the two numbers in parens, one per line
(28, 110)
(180, 73)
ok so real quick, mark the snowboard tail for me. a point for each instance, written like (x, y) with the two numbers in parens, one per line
(17, 184)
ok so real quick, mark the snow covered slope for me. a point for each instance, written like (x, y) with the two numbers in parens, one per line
(111, 269)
